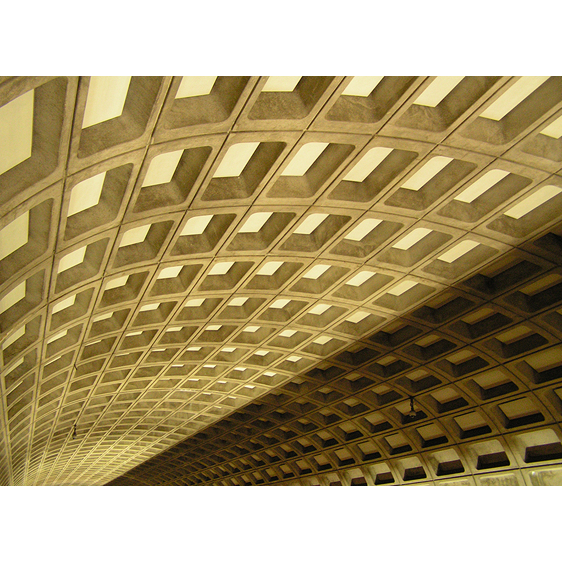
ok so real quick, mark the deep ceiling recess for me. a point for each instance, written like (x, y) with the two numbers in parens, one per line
(245, 280)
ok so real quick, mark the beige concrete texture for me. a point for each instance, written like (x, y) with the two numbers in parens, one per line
(247, 280)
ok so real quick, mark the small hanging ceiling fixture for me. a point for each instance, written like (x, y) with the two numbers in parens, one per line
(412, 413)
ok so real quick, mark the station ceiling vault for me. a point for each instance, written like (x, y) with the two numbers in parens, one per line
(242, 280)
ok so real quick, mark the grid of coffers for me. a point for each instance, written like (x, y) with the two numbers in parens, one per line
(268, 275)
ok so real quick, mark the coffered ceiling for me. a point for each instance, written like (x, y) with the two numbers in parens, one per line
(245, 280)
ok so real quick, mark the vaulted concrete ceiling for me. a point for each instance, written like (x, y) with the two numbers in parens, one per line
(244, 280)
